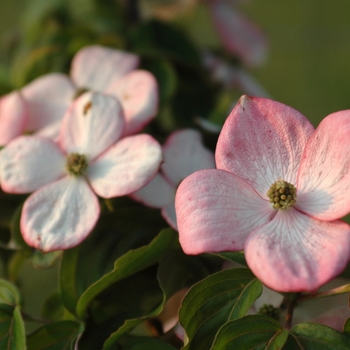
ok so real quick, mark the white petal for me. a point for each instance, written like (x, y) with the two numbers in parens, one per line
(96, 67)
(47, 97)
(125, 167)
(60, 215)
(30, 162)
(93, 123)
(184, 153)
(156, 193)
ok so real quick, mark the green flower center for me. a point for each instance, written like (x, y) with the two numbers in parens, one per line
(76, 164)
(282, 194)
(270, 310)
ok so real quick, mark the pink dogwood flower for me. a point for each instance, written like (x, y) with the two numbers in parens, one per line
(238, 34)
(90, 158)
(183, 153)
(96, 68)
(278, 191)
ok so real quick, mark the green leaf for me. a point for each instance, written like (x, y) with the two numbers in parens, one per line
(115, 234)
(249, 332)
(317, 336)
(145, 343)
(278, 341)
(54, 336)
(130, 263)
(9, 294)
(214, 301)
(12, 333)
(347, 327)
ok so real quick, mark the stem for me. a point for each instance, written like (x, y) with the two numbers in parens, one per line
(335, 291)
(289, 317)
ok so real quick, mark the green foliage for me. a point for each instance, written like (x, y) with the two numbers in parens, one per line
(211, 303)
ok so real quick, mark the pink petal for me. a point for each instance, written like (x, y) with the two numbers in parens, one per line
(156, 193)
(60, 215)
(324, 176)
(292, 252)
(13, 116)
(51, 131)
(169, 214)
(335, 318)
(238, 34)
(184, 153)
(262, 141)
(47, 97)
(138, 94)
(125, 167)
(92, 124)
(96, 67)
(30, 162)
(216, 211)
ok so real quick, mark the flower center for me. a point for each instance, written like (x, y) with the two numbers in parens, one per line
(270, 310)
(76, 164)
(282, 194)
(79, 92)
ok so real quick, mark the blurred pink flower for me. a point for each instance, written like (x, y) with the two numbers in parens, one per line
(90, 157)
(278, 191)
(96, 68)
(238, 34)
(183, 153)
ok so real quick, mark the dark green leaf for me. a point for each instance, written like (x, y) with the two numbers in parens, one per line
(146, 343)
(12, 334)
(54, 336)
(347, 327)
(278, 341)
(214, 301)
(249, 332)
(317, 336)
(130, 263)
(9, 294)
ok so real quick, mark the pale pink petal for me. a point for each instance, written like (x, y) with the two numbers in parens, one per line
(156, 193)
(184, 153)
(335, 318)
(30, 162)
(13, 116)
(47, 97)
(238, 34)
(96, 67)
(51, 131)
(262, 141)
(296, 253)
(216, 211)
(60, 215)
(169, 214)
(93, 123)
(324, 176)
(125, 167)
(138, 94)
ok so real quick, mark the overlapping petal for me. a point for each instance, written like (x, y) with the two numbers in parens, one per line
(216, 211)
(239, 35)
(13, 116)
(261, 141)
(156, 193)
(60, 215)
(96, 67)
(30, 162)
(138, 94)
(126, 166)
(92, 124)
(184, 153)
(291, 253)
(47, 98)
(169, 213)
(324, 176)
